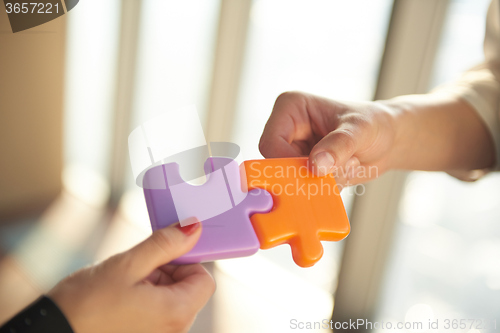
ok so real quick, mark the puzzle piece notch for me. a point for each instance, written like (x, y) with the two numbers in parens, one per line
(205, 201)
(227, 234)
(300, 218)
(215, 196)
(189, 162)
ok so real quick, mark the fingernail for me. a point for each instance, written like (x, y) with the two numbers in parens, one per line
(324, 162)
(188, 226)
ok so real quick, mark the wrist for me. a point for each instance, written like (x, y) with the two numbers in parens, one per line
(66, 300)
(400, 117)
(43, 315)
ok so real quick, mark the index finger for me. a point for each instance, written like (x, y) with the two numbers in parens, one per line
(284, 125)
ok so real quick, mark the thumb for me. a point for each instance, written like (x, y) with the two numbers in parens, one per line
(161, 247)
(333, 151)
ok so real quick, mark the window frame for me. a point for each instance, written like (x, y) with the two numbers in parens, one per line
(411, 47)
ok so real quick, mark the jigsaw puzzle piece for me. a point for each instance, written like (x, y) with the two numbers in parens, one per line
(227, 231)
(159, 199)
(230, 234)
(203, 201)
(307, 209)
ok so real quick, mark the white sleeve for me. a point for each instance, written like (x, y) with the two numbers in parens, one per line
(480, 86)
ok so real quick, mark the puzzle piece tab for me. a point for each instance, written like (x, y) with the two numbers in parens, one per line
(227, 231)
(307, 209)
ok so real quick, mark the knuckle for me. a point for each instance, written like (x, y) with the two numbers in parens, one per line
(345, 138)
(362, 122)
(290, 97)
(263, 146)
(358, 121)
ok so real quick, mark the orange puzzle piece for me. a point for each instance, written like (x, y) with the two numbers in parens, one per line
(307, 209)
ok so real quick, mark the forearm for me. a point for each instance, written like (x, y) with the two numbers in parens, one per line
(437, 132)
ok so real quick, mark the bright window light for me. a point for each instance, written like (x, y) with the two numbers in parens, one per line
(329, 48)
(447, 244)
(92, 44)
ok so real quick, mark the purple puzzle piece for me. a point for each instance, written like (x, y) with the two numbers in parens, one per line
(229, 232)
(159, 201)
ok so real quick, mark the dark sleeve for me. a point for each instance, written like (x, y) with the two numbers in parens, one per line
(42, 316)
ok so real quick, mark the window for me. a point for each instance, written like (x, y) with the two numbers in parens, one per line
(175, 58)
(92, 45)
(444, 261)
(329, 48)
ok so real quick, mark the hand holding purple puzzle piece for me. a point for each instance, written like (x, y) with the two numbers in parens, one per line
(220, 204)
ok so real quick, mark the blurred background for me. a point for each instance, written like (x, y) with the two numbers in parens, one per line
(422, 246)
